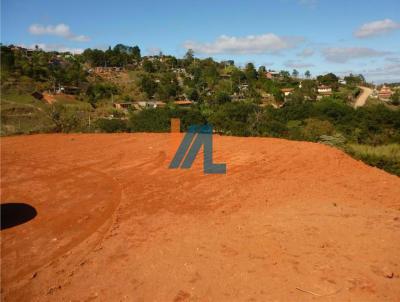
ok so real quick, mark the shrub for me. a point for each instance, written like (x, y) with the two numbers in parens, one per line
(67, 118)
(232, 118)
(336, 140)
(386, 157)
(150, 120)
(99, 91)
(112, 125)
(314, 128)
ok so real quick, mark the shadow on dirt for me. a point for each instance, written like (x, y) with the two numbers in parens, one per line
(13, 214)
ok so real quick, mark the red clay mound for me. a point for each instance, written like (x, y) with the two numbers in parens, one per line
(291, 221)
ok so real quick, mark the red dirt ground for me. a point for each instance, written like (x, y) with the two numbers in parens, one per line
(291, 221)
(49, 98)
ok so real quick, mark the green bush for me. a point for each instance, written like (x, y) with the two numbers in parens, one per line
(386, 157)
(232, 118)
(150, 120)
(112, 125)
(314, 128)
(67, 118)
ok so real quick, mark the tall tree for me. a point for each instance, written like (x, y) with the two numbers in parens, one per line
(261, 69)
(250, 72)
(189, 57)
(329, 79)
(136, 52)
(148, 66)
(148, 85)
(284, 73)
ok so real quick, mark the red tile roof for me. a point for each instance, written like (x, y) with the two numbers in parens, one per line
(183, 102)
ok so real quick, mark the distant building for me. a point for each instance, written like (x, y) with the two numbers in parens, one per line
(324, 90)
(101, 70)
(123, 106)
(243, 86)
(385, 92)
(148, 104)
(179, 70)
(160, 104)
(183, 103)
(287, 91)
(68, 90)
(271, 74)
(155, 58)
(268, 75)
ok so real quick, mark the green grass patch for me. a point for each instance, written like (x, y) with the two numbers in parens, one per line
(17, 98)
(21, 113)
(386, 157)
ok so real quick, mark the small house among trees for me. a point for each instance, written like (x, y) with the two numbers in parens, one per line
(183, 103)
(385, 92)
(287, 91)
(123, 106)
(324, 90)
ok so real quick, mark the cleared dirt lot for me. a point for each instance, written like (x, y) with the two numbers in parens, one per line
(291, 221)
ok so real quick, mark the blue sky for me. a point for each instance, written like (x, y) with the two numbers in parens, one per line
(318, 35)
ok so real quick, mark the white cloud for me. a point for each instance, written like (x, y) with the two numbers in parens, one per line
(306, 52)
(376, 28)
(342, 55)
(253, 44)
(60, 30)
(293, 64)
(386, 73)
(393, 59)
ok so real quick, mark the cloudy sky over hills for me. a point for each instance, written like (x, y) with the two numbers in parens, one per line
(322, 36)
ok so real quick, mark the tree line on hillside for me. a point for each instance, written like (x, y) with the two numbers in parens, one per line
(160, 77)
(298, 120)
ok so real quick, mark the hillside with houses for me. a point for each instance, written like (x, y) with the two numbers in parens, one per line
(119, 90)
(120, 79)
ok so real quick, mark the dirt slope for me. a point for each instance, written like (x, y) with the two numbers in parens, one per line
(289, 222)
(362, 98)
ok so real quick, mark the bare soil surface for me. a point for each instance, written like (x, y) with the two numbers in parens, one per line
(49, 98)
(290, 221)
(362, 98)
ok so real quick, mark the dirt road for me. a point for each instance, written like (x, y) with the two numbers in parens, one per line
(290, 221)
(362, 98)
